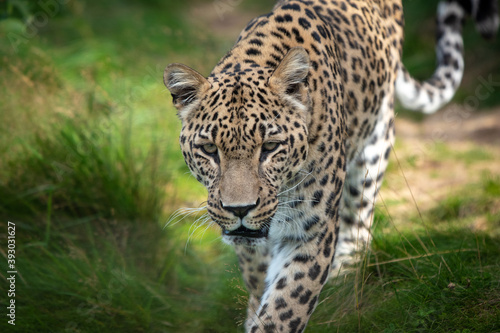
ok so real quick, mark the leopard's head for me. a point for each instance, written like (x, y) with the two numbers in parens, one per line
(244, 137)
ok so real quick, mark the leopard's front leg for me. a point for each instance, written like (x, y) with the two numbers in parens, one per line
(297, 272)
(253, 262)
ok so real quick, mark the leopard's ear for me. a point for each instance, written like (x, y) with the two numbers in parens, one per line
(186, 86)
(289, 78)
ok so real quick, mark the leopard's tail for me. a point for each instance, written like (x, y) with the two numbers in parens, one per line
(430, 95)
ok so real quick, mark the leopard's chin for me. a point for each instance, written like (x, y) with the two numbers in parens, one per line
(246, 236)
(244, 241)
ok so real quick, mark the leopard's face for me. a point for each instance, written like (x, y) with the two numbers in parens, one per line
(245, 139)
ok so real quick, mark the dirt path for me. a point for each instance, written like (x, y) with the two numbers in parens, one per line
(224, 18)
(441, 155)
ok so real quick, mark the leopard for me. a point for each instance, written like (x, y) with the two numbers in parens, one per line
(292, 131)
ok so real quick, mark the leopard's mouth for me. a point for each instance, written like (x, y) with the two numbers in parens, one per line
(243, 231)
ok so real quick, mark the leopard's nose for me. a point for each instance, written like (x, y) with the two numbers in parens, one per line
(239, 211)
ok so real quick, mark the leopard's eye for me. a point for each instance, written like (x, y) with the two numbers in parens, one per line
(269, 146)
(209, 148)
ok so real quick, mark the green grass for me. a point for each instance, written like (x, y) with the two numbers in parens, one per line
(441, 277)
(91, 170)
(469, 156)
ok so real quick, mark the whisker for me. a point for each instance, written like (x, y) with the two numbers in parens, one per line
(187, 211)
(198, 224)
(210, 224)
(280, 215)
(296, 185)
(289, 209)
(295, 201)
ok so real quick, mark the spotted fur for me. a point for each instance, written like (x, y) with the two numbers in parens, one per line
(291, 134)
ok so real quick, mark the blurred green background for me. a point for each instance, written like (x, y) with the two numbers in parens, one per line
(91, 173)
